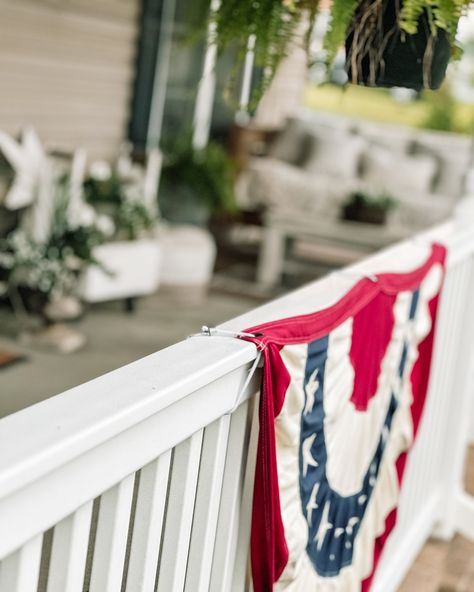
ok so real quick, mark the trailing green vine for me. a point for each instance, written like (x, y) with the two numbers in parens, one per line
(274, 23)
(442, 14)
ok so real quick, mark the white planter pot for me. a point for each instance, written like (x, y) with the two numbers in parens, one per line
(189, 254)
(132, 269)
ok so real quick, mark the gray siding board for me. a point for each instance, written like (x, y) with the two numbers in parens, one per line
(66, 68)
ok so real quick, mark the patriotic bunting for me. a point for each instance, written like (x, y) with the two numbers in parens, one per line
(342, 397)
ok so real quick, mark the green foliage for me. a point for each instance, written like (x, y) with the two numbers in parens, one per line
(78, 243)
(377, 104)
(441, 110)
(50, 267)
(133, 218)
(342, 12)
(209, 172)
(104, 191)
(39, 267)
(442, 14)
(368, 200)
(273, 22)
(121, 202)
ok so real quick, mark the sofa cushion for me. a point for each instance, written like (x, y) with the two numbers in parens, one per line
(338, 154)
(292, 143)
(397, 139)
(453, 165)
(278, 185)
(398, 174)
(422, 212)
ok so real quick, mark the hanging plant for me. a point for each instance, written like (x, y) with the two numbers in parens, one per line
(272, 22)
(388, 42)
(396, 42)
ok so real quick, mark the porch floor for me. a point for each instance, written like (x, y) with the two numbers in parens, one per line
(114, 338)
(445, 566)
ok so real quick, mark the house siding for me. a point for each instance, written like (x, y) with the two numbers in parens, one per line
(66, 68)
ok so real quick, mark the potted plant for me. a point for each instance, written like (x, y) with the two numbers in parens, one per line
(367, 208)
(388, 42)
(196, 183)
(129, 262)
(45, 276)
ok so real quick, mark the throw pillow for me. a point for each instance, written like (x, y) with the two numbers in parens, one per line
(392, 174)
(453, 164)
(336, 154)
(291, 145)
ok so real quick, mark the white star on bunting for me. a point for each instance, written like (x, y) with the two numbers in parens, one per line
(308, 460)
(312, 505)
(324, 527)
(310, 390)
(350, 525)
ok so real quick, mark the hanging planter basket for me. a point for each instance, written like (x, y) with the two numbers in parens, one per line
(388, 43)
(379, 53)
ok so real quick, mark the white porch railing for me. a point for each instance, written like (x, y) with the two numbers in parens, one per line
(142, 479)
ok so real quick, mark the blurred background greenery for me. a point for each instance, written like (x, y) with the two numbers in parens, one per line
(436, 110)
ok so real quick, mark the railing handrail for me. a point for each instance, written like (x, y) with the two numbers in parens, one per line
(165, 428)
(72, 423)
(69, 424)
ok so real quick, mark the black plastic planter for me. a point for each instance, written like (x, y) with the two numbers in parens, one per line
(366, 214)
(395, 58)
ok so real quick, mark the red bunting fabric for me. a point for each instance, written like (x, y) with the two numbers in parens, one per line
(341, 401)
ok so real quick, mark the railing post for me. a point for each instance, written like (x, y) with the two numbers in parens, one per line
(464, 219)
(454, 511)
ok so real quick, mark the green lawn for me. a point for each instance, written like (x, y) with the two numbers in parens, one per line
(434, 110)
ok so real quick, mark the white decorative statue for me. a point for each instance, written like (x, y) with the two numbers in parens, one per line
(23, 189)
(38, 220)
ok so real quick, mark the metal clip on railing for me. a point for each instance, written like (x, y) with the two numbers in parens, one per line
(214, 332)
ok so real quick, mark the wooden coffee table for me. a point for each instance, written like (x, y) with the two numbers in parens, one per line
(280, 230)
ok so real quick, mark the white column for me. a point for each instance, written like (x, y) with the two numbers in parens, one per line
(161, 74)
(285, 95)
(246, 89)
(152, 179)
(207, 86)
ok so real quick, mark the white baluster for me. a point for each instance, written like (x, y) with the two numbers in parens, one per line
(207, 505)
(69, 551)
(179, 514)
(19, 572)
(148, 524)
(241, 574)
(111, 537)
(229, 511)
